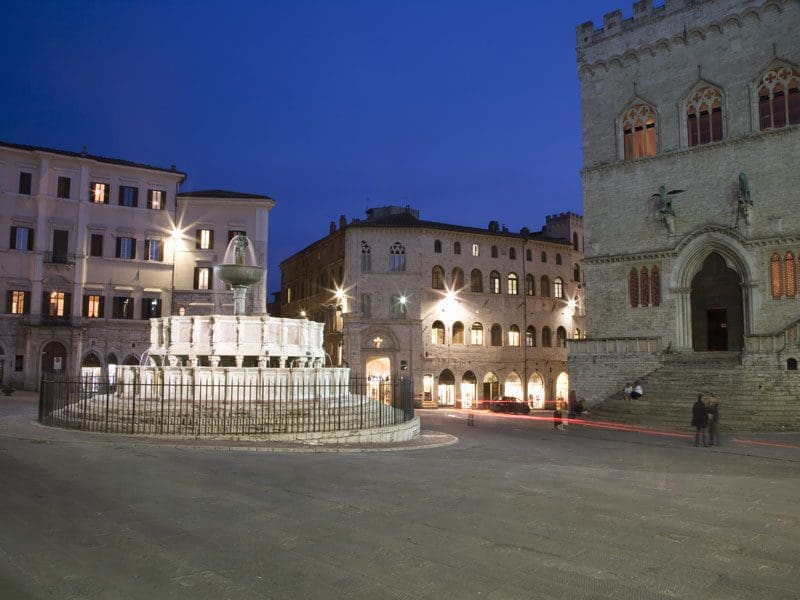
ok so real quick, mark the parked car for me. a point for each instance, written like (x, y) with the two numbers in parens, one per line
(509, 404)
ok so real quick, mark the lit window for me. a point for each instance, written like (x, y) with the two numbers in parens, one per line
(17, 302)
(530, 336)
(790, 282)
(437, 333)
(203, 278)
(56, 305)
(775, 276)
(156, 199)
(513, 336)
(558, 287)
(476, 335)
(704, 116)
(92, 307)
(644, 286)
(22, 238)
(633, 288)
(639, 131)
(98, 193)
(126, 247)
(204, 239)
(494, 282)
(512, 284)
(779, 98)
(475, 250)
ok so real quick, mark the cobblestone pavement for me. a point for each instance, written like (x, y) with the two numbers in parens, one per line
(516, 509)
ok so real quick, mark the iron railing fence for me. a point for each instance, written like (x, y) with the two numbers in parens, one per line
(215, 409)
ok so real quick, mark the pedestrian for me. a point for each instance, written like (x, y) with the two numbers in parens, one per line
(713, 422)
(557, 417)
(572, 404)
(699, 420)
(637, 392)
(627, 391)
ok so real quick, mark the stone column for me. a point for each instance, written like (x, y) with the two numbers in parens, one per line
(683, 318)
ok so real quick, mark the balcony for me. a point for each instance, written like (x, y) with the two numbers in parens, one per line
(48, 321)
(59, 258)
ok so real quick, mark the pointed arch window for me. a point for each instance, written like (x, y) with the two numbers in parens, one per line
(496, 335)
(576, 273)
(494, 251)
(775, 276)
(633, 288)
(458, 333)
(456, 247)
(561, 338)
(530, 336)
(547, 337)
(366, 257)
(494, 282)
(476, 280)
(528, 255)
(558, 258)
(513, 335)
(437, 333)
(704, 116)
(544, 286)
(575, 241)
(639, 131)
(397, 257)
(512, 253)
(789, 276)
(655, 287)
(512, 284)
(476, 335)
(779, 98)
(644, 287)
(530, 285)
(437, 278)
(558, 287)
(458, 279)
(437, 246)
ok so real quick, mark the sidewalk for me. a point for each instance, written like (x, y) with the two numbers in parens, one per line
(18, 415)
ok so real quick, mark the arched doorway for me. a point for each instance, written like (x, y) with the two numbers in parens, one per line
(717, 316)
(54, 357)
(513, 386)
(491, 387)
(446, 390)
(536, 391)
(469, 389)
(562, 387)
(378, 374)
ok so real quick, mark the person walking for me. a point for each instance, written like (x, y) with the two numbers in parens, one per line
(699, 420)
(713, 422)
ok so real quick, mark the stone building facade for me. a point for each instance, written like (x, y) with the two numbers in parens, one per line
(691, 139)
(95, 247)
(469, 313)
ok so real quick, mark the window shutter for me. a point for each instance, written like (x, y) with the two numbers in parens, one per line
(197, 234)
(196, 278)
(211, 279)
(135, 197)
(13, 238)
(26, 303)
(133, 248)
(101, 310)
(9, 295)
(149, 198)
(121, 196)
(161, 251)
(67, 304)
(30, 239)
(45, 312)
(144, 308)
(119, 247)
(85, 309)
(211, 244)
(146, 249)
(106, 193)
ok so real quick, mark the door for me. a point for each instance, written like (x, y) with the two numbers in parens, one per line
(717, 320)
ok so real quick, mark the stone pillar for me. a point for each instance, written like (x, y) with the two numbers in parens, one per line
(683, 318)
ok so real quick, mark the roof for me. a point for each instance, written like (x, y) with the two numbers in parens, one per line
(95, 157)
(407, 220)
(221, 194)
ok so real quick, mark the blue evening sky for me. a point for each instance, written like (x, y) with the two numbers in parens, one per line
(468, 111)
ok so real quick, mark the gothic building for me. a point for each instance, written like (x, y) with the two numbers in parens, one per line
(469, 313)
(691, 141)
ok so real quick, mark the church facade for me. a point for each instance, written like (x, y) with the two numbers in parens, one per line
(691, 145)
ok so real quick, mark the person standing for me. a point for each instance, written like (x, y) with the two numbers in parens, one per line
(713, 422)
(699, 420)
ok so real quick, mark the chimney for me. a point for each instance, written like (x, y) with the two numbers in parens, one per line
(332, 227)
(342, 221)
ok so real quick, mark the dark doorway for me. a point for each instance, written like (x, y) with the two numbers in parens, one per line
(717, 320)
(54, 357)
(717, 315)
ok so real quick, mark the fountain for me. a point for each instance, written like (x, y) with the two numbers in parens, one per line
(239, 374)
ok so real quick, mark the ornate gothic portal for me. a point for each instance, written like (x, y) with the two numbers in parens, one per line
(717, 317)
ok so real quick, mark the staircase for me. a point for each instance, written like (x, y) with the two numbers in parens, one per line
(750, 398)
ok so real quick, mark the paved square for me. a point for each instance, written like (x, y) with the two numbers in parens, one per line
(514, 510)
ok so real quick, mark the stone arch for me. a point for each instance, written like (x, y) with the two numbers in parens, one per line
(388, 338)
(692, 253)
(131, 360)
(536, 390)
(469, 389)
(513, 386)
(54, 357)
(446, 388)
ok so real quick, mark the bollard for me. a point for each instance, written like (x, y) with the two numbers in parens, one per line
(470, 419)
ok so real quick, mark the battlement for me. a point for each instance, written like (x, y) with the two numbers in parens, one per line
(644, 12)
(564, 216)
